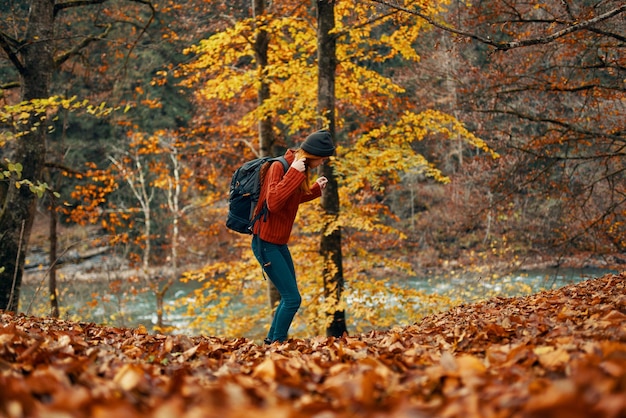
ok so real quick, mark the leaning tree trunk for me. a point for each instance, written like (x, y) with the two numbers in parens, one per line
(266, 139)
(35, 65)
(331, 244)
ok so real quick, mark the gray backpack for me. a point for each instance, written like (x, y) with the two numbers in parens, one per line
(245, 188)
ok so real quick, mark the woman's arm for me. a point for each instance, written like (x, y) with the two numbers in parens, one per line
(281, 185)
(316, 191)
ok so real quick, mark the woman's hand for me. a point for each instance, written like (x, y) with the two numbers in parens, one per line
(322, 181)
(299, 164)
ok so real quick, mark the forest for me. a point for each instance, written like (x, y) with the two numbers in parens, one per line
(473, 139)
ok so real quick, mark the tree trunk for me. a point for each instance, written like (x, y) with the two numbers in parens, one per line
(160, 305)
(330, 244)
(266, 138)
(18, 208)
(53, 257)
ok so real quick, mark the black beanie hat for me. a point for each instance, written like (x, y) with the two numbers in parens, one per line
(319, 143)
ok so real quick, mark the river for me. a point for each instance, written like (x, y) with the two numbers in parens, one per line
(121, 304)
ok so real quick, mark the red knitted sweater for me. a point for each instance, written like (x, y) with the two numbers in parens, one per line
(283, 196)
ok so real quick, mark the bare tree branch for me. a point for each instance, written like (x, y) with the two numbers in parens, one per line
(369, 22)
(617, 36)
(5, 43)
(9, 86)
(74, 51)
(79, 3)
(615, 136)
(504, 46)
(62, 167)
(145, 28)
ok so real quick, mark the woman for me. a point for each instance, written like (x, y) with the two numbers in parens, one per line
(283, 192)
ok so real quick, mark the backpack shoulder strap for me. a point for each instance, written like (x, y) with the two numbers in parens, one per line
(263, 211)
(283, 160)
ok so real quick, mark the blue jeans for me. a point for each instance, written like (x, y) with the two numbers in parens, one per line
(280, 269)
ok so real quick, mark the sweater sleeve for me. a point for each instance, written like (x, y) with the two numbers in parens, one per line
(316, 191)
(281, 187)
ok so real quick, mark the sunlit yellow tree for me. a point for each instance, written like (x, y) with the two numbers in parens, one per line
(377, 125)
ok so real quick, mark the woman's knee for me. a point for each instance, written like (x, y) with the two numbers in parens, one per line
(293, 301)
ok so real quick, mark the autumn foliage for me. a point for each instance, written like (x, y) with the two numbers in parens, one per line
(559, 353)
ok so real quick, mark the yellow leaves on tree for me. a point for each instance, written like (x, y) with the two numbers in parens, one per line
(225, 66)
(225, 69)
(358, 27)
(43, 109)
(380, 156)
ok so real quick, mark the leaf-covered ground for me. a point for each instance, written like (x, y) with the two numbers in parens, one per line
(560, 353)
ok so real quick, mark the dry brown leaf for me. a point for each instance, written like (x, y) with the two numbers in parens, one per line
(615, 316)
(129, 376)
(552, 358)
(266, 370)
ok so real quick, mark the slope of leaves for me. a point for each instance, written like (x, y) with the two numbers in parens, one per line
(556, 353)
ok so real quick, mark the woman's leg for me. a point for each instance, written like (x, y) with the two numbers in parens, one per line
(281, 271)
(285, 281)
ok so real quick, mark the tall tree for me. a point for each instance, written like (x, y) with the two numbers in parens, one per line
(331, 239)
(35, 57)
(266, 137)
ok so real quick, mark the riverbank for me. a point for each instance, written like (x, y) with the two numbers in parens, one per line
(556, 353)
(122, 302)
(97, 264)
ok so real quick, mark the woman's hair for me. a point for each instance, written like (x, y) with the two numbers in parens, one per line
(306, 184)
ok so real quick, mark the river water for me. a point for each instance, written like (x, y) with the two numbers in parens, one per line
(121, 304)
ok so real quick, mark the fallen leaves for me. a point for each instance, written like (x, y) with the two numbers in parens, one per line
(560, 353)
